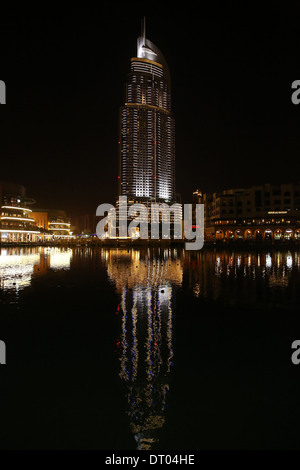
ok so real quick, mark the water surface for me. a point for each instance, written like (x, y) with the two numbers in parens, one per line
(149, 349)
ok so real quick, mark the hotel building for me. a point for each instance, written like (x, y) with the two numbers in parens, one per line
(147, 131)
(265, 212)
(147, 128)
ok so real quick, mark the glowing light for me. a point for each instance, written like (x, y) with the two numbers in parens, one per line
(60, 260)
(17, 218)
(277, 212)
(19, 208)
(17, 231)
(59, 223)
(16, 270)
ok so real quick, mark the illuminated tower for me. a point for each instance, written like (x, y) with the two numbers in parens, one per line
(147, 129)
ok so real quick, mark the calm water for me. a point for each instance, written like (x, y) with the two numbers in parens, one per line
(130, 349)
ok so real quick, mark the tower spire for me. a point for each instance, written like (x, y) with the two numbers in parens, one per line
(143, 32)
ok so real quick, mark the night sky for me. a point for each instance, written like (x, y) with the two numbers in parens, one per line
(65, 71)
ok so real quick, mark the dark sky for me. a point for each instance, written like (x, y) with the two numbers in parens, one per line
(65, 71)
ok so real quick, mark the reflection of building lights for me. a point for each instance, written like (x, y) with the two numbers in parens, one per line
(16, 270)
(289, 261)
(60, 259)
(146, 351)
(268, 261)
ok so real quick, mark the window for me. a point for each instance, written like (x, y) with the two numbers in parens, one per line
(258, 198)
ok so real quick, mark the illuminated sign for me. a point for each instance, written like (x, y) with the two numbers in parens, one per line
(277, 212)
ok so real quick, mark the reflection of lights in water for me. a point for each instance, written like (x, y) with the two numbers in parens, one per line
(275, 281)
(19, 265)
(16, 270)
(268, 260)
(196, 289)
(146, 358)
(60, 259)
(126, 269)
(289, 261)
(242, 278)
(145, 284)
(218, 266)
(278, 260)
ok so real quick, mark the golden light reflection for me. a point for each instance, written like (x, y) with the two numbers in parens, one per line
(146, 282)
(60, 259)
(244, 277)
(19, 265)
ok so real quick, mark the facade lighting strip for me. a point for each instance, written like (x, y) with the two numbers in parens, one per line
(17, 231)
(17, 218)
(18, 208)
(59, 223)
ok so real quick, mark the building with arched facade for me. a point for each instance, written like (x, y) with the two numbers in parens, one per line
(258, 213)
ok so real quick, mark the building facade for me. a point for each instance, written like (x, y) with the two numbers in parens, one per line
(16, 222)
(147, 142)
(147, 129)
(265, 212)
(54, 224)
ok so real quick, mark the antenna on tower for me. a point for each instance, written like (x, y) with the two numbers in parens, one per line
(143, 32)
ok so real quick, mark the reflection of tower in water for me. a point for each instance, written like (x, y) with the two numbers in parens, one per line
(145, 346)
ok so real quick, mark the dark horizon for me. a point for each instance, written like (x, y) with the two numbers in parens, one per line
(231, 73)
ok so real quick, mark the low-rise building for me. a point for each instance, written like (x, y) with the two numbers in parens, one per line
(16, 222)
(54, 224)
(255, 213)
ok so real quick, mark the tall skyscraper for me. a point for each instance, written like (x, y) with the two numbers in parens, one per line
(147, 129)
